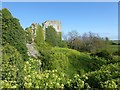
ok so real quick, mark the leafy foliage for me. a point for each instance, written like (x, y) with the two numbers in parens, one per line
(36, 77)
(103, 54)
(70, 61)
(39, 35)
(6, 14)
(12, 66)
(28, 35)
(61, 68)
(116, 52)
(52, 37)
(88, 42)
(101, 78)
(13, 33)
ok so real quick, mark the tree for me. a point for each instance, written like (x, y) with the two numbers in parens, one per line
(74, 40)
(13, 33)
(88, 42)
(92, 42)
(6, 14)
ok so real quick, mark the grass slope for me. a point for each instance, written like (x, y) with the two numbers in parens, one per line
(70, 61)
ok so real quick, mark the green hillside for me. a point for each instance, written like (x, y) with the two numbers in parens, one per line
(70, 61)
(78, 63)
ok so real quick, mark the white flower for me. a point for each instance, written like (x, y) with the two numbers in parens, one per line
(82, 82)
(29, 76)
(56, 76)
(51, 83)
(36, 86)
(62, 85)
(27, 62)
(86, 77)
(35, 72)
(30, 84)
(77, 75)
(53, 74)
(46, 84)
(24, 69)
(68, 82)
(59, 79)
(63, 75)
(52, 70)
(55, 70)
(57, 84)
(46, 76)
(25, 78)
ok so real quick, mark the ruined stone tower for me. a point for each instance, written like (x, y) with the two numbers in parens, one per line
(56, 24)
(34, 26)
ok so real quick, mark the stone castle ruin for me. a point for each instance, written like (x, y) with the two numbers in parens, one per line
(54, 23)
(33, 26)
(31, 50)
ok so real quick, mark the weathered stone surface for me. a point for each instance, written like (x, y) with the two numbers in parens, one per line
(31, 50)
(54, 23)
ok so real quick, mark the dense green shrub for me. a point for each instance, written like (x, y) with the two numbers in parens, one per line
(103, 78)
(61, 68)
(62, 62)
(52, 37)
(39, 35)
(88, 42)
(103, 54)
(43, 48)
(13, 33)
(111, 84)
(70, 61)
(12, 67)
(116, 52)
(36, 78)
(6, 14)
(28, 35)
(114, 43)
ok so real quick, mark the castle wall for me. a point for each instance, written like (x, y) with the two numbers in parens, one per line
(55, 24)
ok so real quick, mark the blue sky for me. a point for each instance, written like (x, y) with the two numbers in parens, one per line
(97, 17)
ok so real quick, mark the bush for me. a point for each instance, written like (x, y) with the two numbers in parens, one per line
(12, 67)
(116, 53)
(88, 42)
(52, 37)
(13, 33)
(69, 61)
(103, 54)
(39, 35)
(106, 77)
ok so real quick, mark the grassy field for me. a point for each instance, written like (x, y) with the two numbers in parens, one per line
(113, 48)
